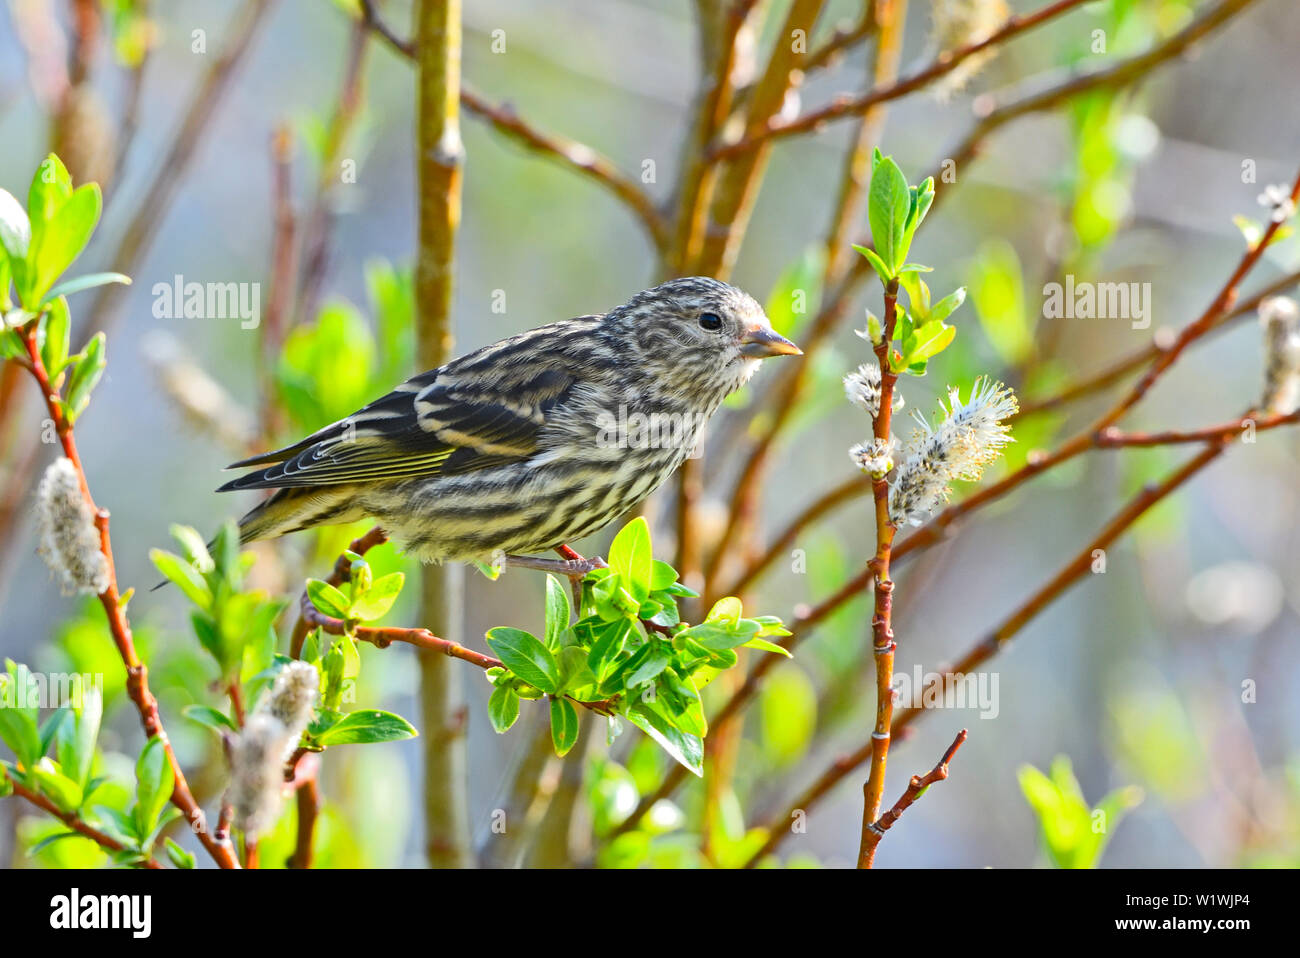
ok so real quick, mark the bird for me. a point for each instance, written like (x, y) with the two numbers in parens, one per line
(530, 443)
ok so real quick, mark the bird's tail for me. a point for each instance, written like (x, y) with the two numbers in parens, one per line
(298, 508)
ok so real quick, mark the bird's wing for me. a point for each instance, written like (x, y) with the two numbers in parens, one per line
(440, 423)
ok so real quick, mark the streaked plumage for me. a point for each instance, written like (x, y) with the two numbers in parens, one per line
(506, 450)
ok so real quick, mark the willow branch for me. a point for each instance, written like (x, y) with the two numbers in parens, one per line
(1070, 574)
(73, 821)
(996, 111)
(844, 106)
(873, 833)
(844, 37)
(577, 156)
(137, 675)
(1153, 350)
(892, 17)
(806, 619)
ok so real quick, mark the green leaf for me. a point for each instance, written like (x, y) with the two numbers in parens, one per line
(525, 656)
(52, 726)
(365, 726)
(51, 188)
(15, 231)
(767, 646)
(63, 791)
(327, 599)
(927, 341)
(18, 728)
(179, 856)
(686, 749)
(605, 649)
(77, 736)
(883, 271)
(193, 547)
(564, 725)
(375, 602)
(49, 840)
(682, 699)
(889, 205)
(52, 336)
(725, 612)
(59, 241)
(154, 782)
(630, 557)
(11, 346)
(503, 708)
(86, 373)
(662, 576)
(209, 717)
(948, 305)
(117, 823)
(185, 576)
(658, 657)
(557, 611)
(85, 282)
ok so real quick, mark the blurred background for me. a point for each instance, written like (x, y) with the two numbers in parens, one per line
(1137, 674)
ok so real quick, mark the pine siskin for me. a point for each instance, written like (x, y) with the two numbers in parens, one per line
(529, 443)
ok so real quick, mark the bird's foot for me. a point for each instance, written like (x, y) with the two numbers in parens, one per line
(572, 565)
(574, 568)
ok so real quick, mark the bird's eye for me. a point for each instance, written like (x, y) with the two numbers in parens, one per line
(711, 321)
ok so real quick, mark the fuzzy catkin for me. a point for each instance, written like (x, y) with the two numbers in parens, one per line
(269, 736)
(959, 23)
(1280, 317)
(293, 699)
(68, 540)
(969, 436)
(257, 772)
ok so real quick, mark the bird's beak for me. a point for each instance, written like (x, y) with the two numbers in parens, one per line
(759, 342)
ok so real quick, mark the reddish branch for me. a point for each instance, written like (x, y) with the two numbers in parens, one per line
(1098, 436)
(985, 649)
(1153, 350)
(873, 833)
(578, 156)
(843, 106)
(842, 39)
(75, 822)
(137, 675)
(882, 632)
(384, 636)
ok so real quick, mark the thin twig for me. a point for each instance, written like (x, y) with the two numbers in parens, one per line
(137, 675)
(73, 821)
(844, 37)
(873, 833)
(848, 105)
(577, 156)
(1071, 573)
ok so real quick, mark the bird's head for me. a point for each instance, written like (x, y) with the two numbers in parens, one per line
(700, 333)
